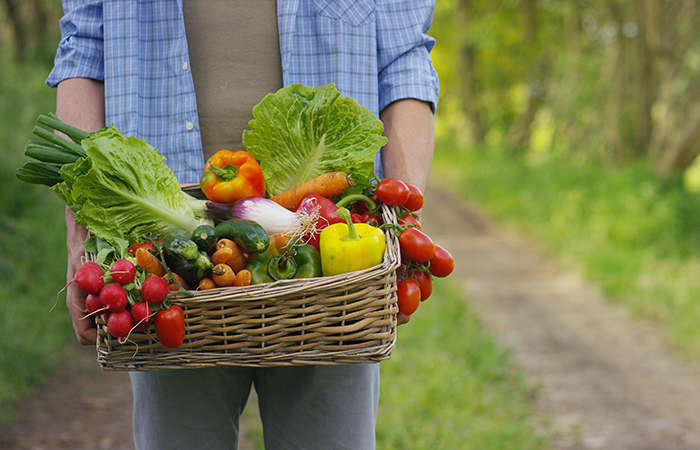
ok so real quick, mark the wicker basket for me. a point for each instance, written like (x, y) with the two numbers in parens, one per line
(348, 318)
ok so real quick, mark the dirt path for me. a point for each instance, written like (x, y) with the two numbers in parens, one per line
(608, 380)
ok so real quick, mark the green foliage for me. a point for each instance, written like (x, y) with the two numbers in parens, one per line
(591, 74)
(635, 236)
(448, 385)
(32, 245)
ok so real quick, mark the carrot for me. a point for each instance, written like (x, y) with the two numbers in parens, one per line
(281, 240)
(329, 185)
(146, 260)
(172, 285)
(221, 255)
(238, 260)
(222, 275)
(206, 283)
(242, 278)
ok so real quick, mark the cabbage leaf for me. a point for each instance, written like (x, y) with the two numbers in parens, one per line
(299, 133)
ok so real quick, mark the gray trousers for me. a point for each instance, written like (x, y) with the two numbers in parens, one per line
(314, 407)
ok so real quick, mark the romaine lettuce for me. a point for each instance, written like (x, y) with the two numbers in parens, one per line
(300, 132)
(123, 189)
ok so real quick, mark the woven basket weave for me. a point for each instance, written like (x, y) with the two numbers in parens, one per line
(348, 318)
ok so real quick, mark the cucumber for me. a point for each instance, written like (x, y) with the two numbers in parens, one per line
(177, 243)
(205, 238)
(249, 235)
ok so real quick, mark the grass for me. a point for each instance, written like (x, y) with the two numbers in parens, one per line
(635, 237)
(447, 386)
(32, 245)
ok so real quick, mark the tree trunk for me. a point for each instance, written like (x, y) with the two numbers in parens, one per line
(679, 156)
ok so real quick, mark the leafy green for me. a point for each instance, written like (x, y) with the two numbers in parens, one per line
(124, 190)
(299, 133)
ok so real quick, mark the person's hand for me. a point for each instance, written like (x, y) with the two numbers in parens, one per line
(402, 318)
(83, 326)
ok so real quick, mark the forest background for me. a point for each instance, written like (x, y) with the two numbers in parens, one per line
(576, 121)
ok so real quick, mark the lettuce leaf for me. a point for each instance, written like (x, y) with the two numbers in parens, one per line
(124, 190)
(299, 133)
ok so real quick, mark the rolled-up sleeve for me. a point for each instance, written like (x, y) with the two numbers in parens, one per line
(80, 51)
(404, 63)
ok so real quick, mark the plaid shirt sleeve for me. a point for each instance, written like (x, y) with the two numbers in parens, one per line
(80, 51)
(405, 68)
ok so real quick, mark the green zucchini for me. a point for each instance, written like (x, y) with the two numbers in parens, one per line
(249, 235)
(205, 238)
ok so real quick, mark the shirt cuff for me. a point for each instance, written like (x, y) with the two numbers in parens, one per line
(77, 58)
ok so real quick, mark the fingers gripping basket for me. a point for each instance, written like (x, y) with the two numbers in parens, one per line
(348, 318)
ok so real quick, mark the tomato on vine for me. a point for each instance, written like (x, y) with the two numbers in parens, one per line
(409, 219)
(425, 282)
(393, 192)
(442, 263)
(416, 245)
(408, 296)
(415, 198)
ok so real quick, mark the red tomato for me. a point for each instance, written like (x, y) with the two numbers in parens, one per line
(415, 198)
(408, 296)
(425, 281)
(442, 263)
(372, 219)
(409, 219)
(393, 192)
(133, 247)
(170, 326)
(416, 245)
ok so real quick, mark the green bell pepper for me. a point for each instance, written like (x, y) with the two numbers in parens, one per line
(300, 261)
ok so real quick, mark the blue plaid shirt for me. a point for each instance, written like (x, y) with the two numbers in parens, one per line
(376, 52)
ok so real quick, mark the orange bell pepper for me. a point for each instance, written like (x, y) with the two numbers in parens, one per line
(231, 176)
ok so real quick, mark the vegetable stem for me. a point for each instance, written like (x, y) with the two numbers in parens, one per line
(58, 140)
(75, 134)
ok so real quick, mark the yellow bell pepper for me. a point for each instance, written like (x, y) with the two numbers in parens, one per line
(347, 247)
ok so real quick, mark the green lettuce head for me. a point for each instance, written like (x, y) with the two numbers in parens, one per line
(299, 133)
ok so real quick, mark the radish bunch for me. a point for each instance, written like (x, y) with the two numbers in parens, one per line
(122, 294)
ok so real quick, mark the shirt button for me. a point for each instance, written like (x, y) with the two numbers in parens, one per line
(185, 65)
(189, 126)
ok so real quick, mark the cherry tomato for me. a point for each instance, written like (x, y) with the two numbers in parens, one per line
(408, 296)
(133, 247)
(409, 219)
(356, 217)
(372, 219)
(425, 282)
(415, 198)
(416, 245)
(442, 263)
(170, 326)
(393, 192)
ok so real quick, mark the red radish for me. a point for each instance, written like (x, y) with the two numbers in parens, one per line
(123, 271)
(154, 290)
(114, 297)
(90, 278)
(93, 304)
(119, 323)
(142, 315)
